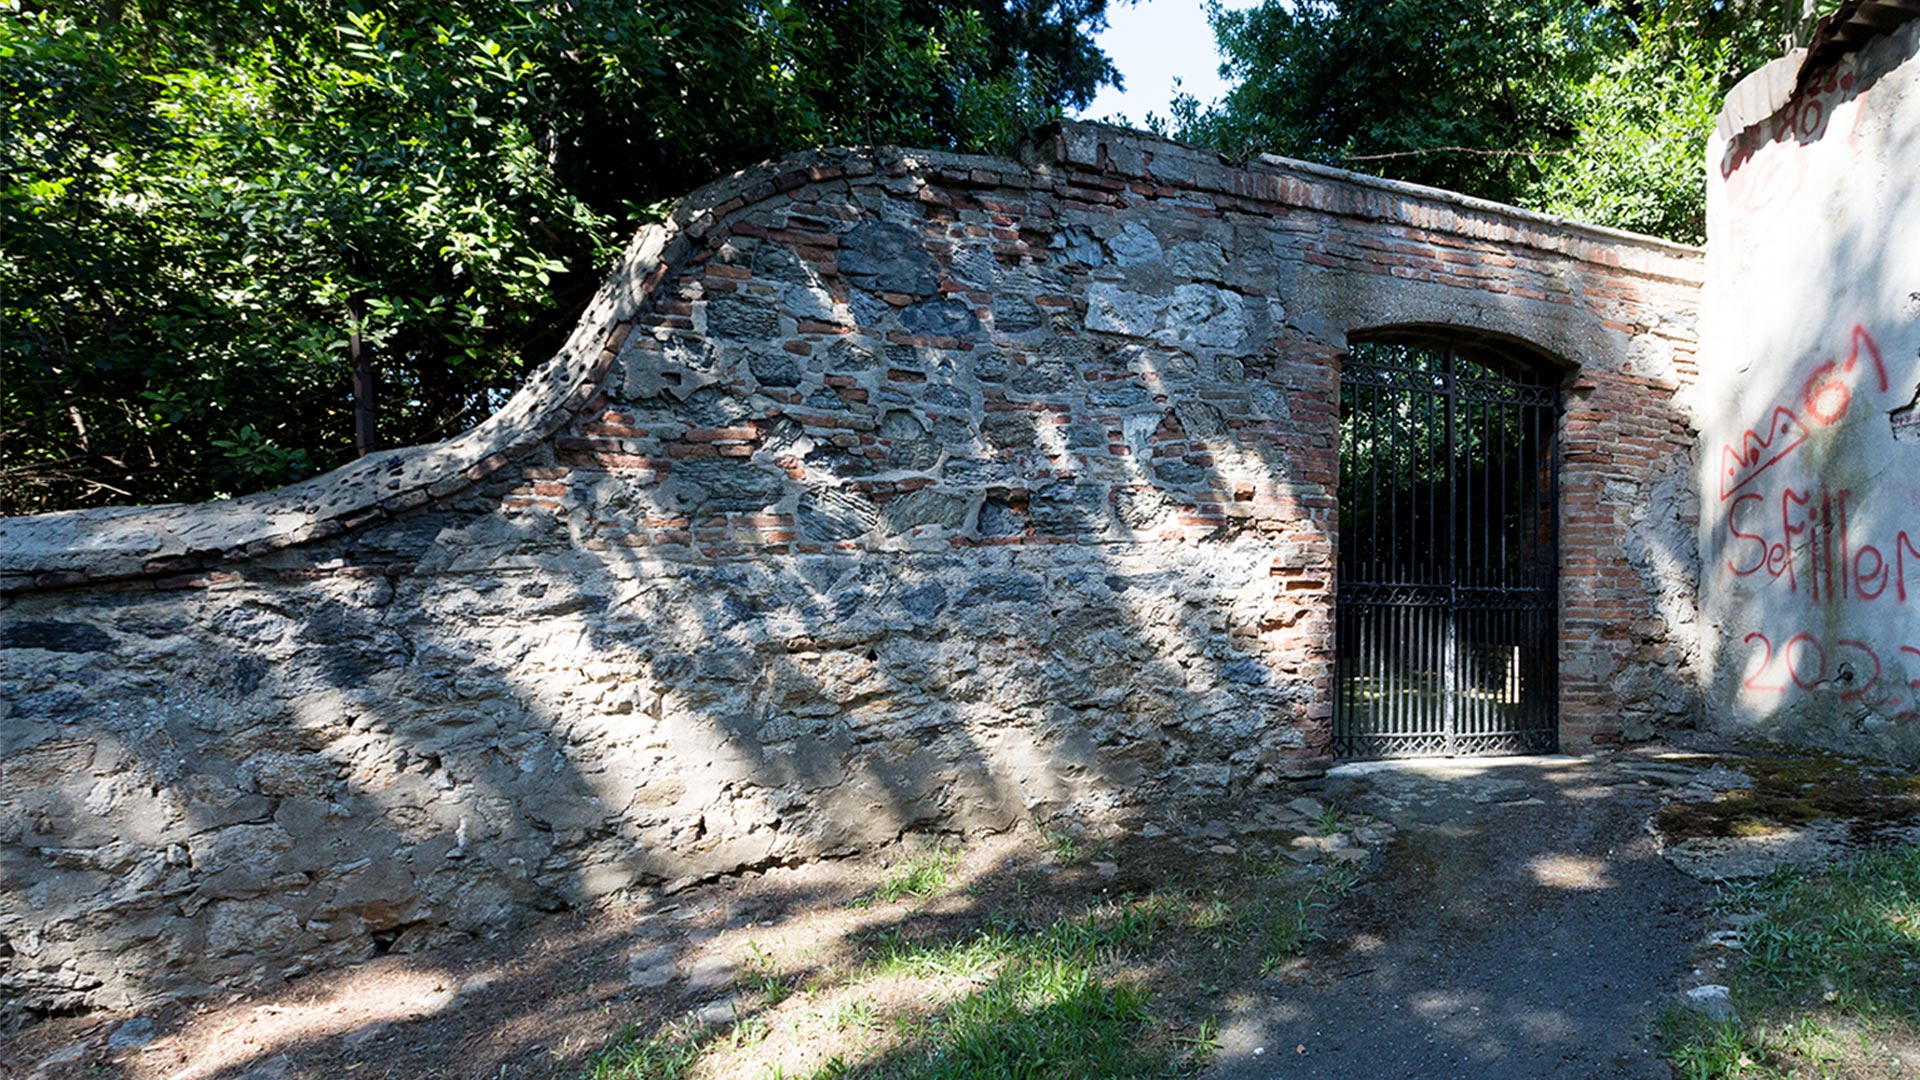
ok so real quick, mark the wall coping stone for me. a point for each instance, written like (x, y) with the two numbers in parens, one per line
(1760, 93)
(1078, 138)
(1767, 89)
(69, 548)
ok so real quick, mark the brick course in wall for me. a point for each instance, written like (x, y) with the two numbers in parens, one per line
(879, 491)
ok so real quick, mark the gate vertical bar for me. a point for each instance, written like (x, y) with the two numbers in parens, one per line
(1449, 660)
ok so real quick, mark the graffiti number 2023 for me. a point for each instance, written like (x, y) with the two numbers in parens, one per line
(1850, 666)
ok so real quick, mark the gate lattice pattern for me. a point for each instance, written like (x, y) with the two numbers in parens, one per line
(1446, 610)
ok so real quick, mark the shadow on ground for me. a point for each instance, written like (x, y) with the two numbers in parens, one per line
(1522, 924)
(788, 962)
(1513, 917)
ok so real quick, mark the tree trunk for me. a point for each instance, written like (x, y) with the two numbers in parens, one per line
(364, 415)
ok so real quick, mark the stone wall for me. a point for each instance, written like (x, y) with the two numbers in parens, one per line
(879, 491)
(1810, 457)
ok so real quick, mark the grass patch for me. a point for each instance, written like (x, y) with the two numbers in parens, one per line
(762, 975)
(917, 877)
(1275, 926)
(1052, 964)
(1329, 822)
(1043, 1013)
(855, 1015)
(1053, 1000)
(1102, 933)
(1280, 927)
(634, 1055)
(1828, 980)
(1066, 847)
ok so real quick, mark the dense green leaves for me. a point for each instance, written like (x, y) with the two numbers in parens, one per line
(1636, 158)
(202, 203)
(1597, 109)
(190, 239)
(1451, 88)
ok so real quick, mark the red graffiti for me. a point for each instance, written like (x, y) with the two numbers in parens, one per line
(1824, 400)
(1819, 677)
(1765, 165)
(1766, 661)
(1806, 667)
(1816, 548)
(1756, 182)
(1805, 528)
(1758, 453)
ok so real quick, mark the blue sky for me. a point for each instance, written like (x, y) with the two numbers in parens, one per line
(1152, 43)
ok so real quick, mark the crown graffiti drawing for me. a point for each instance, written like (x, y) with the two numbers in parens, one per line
(1757, 452)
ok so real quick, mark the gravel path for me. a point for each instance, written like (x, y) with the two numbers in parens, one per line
(1521, 925)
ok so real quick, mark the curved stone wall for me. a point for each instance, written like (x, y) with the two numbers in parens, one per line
(879, 491)
(1810, 449)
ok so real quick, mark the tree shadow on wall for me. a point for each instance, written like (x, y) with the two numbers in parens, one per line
(363, 764)
(1814, 474)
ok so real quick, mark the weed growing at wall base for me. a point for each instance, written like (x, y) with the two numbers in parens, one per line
(918, 876)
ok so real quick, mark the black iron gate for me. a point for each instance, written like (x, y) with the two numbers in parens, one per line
(1445, 615)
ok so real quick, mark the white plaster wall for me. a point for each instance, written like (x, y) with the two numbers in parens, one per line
(1809, 463)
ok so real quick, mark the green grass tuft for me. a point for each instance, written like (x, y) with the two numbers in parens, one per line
(666, 1056)
(1045, 1015)
(1828, 950)
(917, 877)
(1044, 1008)
(1066, 848)
(1044, 977)
(763, 977)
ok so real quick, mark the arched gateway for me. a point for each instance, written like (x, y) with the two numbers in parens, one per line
(877, 490)
(1446, 615)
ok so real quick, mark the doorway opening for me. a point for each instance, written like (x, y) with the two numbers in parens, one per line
(1446, 609)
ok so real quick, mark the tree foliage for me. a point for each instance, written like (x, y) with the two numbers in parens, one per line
(203, 203)
(1350, 82)
(1597, 109)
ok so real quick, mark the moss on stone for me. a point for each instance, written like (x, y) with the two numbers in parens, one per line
(1793, 787)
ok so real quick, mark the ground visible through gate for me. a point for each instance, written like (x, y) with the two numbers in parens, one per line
(1516, 917)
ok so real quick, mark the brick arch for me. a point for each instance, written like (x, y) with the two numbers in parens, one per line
(1448, 544)
(1625, 433)
(1510, 348)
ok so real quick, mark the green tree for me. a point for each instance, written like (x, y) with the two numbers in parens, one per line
(1596, 109)
(1447, 92)
(210, 209)
(1637, 156)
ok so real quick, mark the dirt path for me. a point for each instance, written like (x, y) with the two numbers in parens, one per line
(1521, 925)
